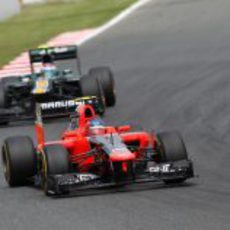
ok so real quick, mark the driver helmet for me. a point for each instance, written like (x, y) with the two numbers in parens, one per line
(97, 127)
(48, 69)
(47, 59)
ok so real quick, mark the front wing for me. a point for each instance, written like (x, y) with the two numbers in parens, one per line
(174, 171)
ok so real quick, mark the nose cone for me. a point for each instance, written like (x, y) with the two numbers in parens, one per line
(121, 155)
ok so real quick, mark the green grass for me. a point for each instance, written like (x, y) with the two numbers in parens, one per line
(38, 23)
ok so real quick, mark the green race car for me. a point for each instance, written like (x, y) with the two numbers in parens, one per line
(59, 86)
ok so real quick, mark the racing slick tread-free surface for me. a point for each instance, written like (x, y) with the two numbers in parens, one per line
(3, 99)
(57, 159)
(90, 86)
(172, 147)
(106, 78)
(20, 158)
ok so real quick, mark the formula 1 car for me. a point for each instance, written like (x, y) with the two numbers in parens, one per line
(93, 155)
(56, 85)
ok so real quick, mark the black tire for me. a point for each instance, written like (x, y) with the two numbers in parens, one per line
(105, 76)
(5, 101)
(171, 147)
(4, 122)
(19, 160)
(55, 161)
(91, 86)
(3, 96)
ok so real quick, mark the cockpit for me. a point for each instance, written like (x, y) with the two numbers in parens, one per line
(48, 72)
(97, 127)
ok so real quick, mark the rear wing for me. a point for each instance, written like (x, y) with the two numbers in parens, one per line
(58, 53)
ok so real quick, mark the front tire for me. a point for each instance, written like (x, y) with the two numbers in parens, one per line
(55, 161)
(171, 148)
(19, 160)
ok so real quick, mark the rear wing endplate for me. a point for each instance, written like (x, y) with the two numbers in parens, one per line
(39, 128)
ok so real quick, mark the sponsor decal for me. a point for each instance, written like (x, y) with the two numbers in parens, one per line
(60, 104)
(61, 49)
(160, 169)
(74, 179)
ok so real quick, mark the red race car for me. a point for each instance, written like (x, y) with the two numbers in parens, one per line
(91, 154)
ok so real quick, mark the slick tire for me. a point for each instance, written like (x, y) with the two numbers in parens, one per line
(171, 148)
(3, 98)
(91, 86)
(4, 122)
(5, 101)
(106, 78)
(19, 160)
(55, 161)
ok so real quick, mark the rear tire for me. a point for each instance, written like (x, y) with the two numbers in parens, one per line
(91, 86)
(3, 99)
(105, 76)
(19, 160)
(4, 122)
(55, 161)
(171, 148)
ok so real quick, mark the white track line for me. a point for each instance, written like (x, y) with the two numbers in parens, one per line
(124, 14)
